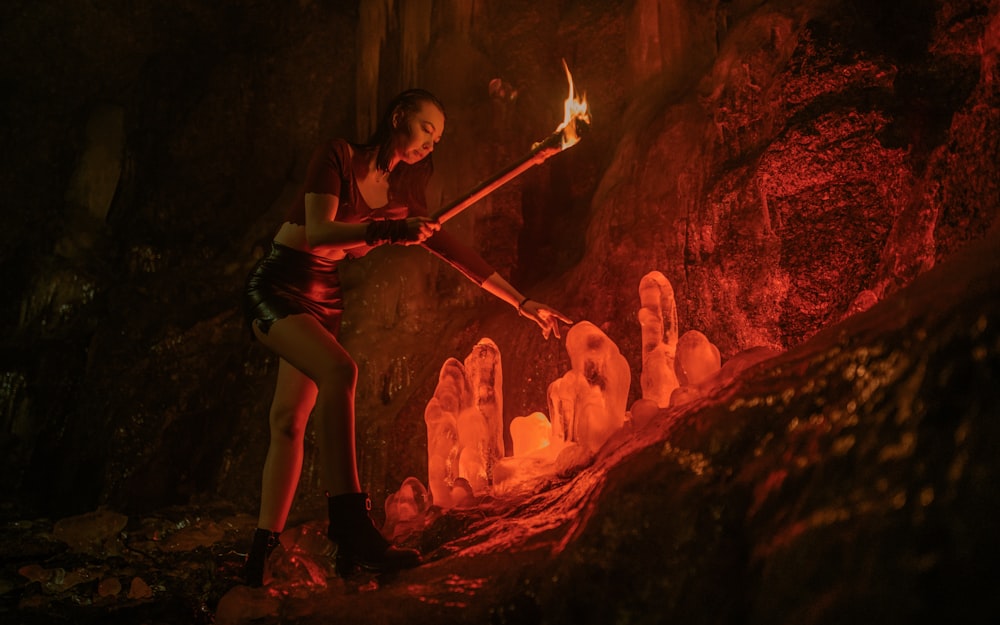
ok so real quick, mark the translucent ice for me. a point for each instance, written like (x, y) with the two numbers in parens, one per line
(451, 397)
(530, 434)
(644, 411)
(698, 366)
(697, 359)
(465, 425)
(304, 561)
(534, 453)
(483, 368)
(588, 403)
(658, 320)
(406, 509)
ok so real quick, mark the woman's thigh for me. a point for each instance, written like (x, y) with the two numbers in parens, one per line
(306, 345)
(294, 397)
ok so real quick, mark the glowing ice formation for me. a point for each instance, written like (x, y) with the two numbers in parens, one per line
(658, 320)
(698, 366)
(698, 360)
(406, 509)
(530, 434)
(481, 431)
(451, 397)
(587, 404)
(465, 425)
(534, 453)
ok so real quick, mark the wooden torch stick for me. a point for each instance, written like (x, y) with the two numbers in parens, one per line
(539, 153)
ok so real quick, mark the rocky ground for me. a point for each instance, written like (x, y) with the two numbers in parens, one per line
(852, 479)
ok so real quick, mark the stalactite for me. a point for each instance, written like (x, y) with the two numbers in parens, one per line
(373, 24)
(643, 42)
(415, 35)
(463, 12)
(674, 20)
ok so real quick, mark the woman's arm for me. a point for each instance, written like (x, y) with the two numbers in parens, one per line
(323, 231)
(465, 259)
(545, 316)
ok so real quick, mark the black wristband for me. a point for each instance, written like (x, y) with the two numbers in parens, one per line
(382, 231)
(398, 230)
(521, 305)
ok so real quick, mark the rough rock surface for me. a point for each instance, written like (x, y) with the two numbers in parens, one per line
(785, 164)
(850, 479)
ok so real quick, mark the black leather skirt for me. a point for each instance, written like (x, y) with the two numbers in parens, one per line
(290, 282)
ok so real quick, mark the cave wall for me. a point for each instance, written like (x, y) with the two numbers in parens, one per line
(782, 163)
(815, 166)
(127, 373)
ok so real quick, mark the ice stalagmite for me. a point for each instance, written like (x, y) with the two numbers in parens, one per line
(698, 363)
(406, 509)
(697, 359)
(530, 434)
(451, 397)
(658, 319)
(481, 430)
(465, 425)
(533, 454)
(587, 404)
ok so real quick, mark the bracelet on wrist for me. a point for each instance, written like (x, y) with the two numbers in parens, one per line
(520, 306)
(381, 231)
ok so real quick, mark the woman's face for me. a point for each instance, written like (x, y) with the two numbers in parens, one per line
(419, 133)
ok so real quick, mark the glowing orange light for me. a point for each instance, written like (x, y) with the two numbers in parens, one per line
(574, 108)
(567, 134)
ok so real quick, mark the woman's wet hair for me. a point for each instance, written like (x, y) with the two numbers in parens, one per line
(406, 104)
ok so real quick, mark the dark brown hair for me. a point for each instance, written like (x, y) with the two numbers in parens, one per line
(407, 103)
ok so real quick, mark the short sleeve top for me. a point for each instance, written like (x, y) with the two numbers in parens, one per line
(334, 170)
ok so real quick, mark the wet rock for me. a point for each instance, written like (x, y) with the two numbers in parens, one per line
(91, 532)
(139, 589)
(244, 605)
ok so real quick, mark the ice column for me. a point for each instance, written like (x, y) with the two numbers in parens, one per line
(587, 404)
(451, 397)
(658, 319)
(697, 359)
(465, 425)
(530, 434)
(406, 509)
(481, 431)
(698, 363)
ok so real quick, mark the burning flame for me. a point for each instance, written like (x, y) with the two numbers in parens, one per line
(574, 108)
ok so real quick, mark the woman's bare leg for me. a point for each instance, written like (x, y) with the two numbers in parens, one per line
(304, 343)
(294, 396)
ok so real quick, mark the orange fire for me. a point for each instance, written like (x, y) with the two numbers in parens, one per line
(575, 108)
(567, 134)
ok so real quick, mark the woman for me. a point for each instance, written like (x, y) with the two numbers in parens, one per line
(355, 197)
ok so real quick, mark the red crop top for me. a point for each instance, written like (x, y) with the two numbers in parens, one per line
(333, 170)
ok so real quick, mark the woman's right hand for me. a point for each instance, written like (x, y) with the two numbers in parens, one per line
(419, 229)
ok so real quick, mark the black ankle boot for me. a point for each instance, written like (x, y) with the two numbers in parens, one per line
(264, 542)
(359, 543)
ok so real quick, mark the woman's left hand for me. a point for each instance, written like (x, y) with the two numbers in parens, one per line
(546, 317)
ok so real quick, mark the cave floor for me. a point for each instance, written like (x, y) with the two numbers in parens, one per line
(850, 479)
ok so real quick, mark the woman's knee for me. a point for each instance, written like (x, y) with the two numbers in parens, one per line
(288, 423)
(339, 372)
